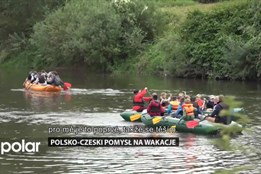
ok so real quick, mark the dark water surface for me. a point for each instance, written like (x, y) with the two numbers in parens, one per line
(97, 100)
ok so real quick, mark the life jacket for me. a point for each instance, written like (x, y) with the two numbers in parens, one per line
(200, 102)
(155, 109)
(189, 109)
(142, 103)
(174, 105)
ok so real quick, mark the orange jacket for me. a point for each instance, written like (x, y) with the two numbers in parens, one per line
(174, 105)
(189, 109)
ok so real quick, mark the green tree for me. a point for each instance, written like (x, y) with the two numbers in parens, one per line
(18, 16)
(99, 33)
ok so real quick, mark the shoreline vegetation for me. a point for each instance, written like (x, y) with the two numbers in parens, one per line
(208, 39)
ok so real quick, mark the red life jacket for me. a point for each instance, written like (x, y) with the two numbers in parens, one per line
(154, 108)
(138, 103)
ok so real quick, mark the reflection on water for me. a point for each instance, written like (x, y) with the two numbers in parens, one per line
(97, 100)
(41, 100)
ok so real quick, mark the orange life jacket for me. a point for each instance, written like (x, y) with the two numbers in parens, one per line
(174, 105)
(189, 109)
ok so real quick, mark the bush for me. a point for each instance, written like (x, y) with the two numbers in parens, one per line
(18, 16)
(82, 31)
(16, 22)
(207, 36)
(220, 44)
(209, 1)
(99, 33)
(164, 57)
(244, 53)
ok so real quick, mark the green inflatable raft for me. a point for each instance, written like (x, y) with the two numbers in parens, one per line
(233, 111)
(130, 115)
(134, 116)
(204, 127)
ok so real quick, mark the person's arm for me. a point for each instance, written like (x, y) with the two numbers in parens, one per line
(199, 111)
(36, 81)
(179, 109)
(170, 96)
(32, 78)
(147, 99)
(169, 108)
(215, 112)
(162, 110)
(142, 93)
(203, 105)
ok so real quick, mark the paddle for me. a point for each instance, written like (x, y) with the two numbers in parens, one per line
(29, 86)
(180, 119)
(66, 86)
(135, 117)
(193, 123)
(156, 119)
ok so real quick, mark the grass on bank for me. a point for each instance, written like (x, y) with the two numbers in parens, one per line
(171, 3)
(180, 8)
(234, 170)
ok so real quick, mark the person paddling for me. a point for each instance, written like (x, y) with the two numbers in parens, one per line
(179, 112)
(53, 78)
(210, 102)
(197, 110)
(42, 77)
(174, 104)
(163, 98)
(155, 108)
(188, 110)
(138, 100)
(215, 116)
(201, 103)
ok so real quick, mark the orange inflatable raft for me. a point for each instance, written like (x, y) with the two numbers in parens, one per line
(46, 88)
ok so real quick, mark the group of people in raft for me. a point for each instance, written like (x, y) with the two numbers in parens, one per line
(44, 78)
(176, 105)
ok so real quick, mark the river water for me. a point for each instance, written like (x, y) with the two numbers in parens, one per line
(97, 100)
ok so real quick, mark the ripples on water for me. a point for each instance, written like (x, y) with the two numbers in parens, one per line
(196, 154)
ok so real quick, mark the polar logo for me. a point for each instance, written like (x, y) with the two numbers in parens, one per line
(19, 147)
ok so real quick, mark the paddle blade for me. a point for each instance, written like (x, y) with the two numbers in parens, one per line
(67, 86)
(135, 117)
(192, 124)
(156, 120)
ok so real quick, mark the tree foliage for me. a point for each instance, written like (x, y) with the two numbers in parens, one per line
(220, 44)
(224, 43)
(18, 16)
(107, 34)
(99, 33)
